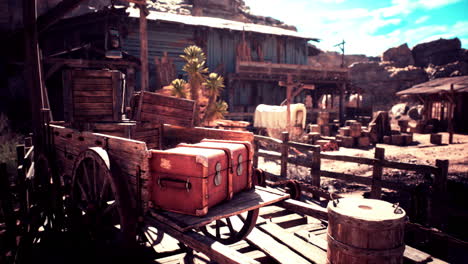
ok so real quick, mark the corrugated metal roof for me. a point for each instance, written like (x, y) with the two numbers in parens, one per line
(460, 85)
(220, 23)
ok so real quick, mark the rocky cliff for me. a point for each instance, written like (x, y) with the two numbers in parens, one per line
(401, 68)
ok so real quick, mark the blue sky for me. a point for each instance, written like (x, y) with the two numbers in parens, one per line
(370, 26)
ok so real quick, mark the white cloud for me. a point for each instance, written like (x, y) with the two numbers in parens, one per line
(357, 26)
(331, 1)
(421, 20)
(430, 4)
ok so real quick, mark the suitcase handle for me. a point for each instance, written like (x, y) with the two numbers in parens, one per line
(174, 183)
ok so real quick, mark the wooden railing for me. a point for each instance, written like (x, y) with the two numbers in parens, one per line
(313, 159)
(437, 210)
(303, 72)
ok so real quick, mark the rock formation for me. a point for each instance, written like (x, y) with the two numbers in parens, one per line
(402, 68)
(401, 56)
(438, 52)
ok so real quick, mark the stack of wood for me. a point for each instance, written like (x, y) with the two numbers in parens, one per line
(323, 121)
(353, 135)
(399, 139)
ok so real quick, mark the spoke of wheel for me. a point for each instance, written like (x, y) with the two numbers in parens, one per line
(95, 176)
(88, 182)
(218, 228)
(112, 205)
(231, 229)
(103, 190)
(241, 218)
(83, 192)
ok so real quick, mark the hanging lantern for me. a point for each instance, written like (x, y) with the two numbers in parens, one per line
(113, 44)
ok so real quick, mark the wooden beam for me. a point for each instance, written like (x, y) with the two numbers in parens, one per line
(81, 63)
(56, 13)
(143, 57)
(32, 66)
(313, 210)
(214, 250)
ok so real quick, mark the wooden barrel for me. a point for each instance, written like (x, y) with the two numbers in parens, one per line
(365, 231)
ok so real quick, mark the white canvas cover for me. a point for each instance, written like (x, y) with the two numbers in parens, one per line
(275, 116)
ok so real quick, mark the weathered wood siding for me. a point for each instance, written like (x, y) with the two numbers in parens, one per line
(129, 156)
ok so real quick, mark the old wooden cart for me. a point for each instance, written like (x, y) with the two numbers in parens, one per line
(106, 165)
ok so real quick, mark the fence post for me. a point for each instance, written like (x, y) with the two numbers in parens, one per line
(284, 154)
(438, 212)
(315, 166)
(376, 189)
(21, 177)
(255, 157)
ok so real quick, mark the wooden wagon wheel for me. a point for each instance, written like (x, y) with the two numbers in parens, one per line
(100, 204)
(231, 229)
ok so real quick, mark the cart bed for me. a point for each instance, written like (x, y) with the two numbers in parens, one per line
(242, 202)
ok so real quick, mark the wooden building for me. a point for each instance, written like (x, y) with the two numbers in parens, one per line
(445, 100)
(253, 58)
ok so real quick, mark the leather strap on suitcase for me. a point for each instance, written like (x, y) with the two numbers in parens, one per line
(230, 164)
(247, 145)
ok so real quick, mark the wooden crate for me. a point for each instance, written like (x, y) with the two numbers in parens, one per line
(436, 139)
(92, 95)
(162, 109)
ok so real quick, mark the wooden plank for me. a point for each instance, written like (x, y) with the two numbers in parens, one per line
(195, 135)
(116, 97)
(92, 81)
(299, 246)
(415, 255)
(214, 250)
(91, 87)
(284, 153)
(67, 96)
(93, 74)
(167, 111)
(360, 160)
(168, 101)
(270, 246)
(163, 119)
(93, 99)
(409, 166)
(92, 112)
(268, 139)
(107, 93)
(290, 220)
(303, 208)
(312, 239)
(242, 202)
(83, 106)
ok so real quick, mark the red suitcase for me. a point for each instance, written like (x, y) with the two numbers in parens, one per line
(177, 173)
(190, 180)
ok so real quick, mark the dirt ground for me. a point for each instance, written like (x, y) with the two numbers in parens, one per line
(420, 152)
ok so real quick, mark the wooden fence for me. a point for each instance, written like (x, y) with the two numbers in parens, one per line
(313, 159)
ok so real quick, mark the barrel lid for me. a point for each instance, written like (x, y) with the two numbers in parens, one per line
(367, 209)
